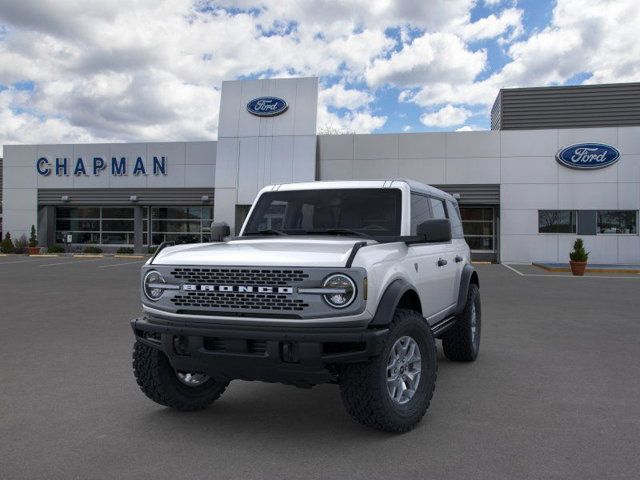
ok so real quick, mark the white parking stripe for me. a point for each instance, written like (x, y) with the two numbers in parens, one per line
(121, 264)
(69, 263)
(550, 275)
(513, 269)
(21, 261)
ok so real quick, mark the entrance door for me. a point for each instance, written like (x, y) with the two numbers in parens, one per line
(480, 225)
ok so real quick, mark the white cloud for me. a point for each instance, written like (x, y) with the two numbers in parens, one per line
(339, 96)
(447, 116)
(432, 57)
(407, 128)
(468, 128)
(509, 20)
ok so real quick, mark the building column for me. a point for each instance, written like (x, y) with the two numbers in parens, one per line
(138, 226)
(46, 226)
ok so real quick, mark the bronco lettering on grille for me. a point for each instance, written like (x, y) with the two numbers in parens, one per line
(237, 289)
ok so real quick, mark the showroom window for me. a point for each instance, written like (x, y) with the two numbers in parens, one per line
(557, 221)
(181, 224)
(95, 225)
(618, 222)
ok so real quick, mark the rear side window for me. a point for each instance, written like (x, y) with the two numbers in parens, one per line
(437, 208)
(420, 211)
(454, 217)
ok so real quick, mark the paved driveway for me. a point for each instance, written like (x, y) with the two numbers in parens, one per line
(554, 394)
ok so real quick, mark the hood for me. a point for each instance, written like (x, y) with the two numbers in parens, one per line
(309, 251)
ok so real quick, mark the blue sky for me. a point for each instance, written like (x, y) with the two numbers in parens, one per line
(75, 71)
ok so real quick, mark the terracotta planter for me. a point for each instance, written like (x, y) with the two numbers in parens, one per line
(578, 268)
(34, 250)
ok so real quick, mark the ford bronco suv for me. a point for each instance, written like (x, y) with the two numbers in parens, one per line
(346, 282)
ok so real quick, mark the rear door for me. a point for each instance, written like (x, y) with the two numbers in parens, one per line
(447, 265)
(429, 273)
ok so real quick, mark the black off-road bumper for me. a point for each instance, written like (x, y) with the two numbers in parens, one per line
(300, 356)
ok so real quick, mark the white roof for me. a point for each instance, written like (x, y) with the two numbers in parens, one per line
(390, 183)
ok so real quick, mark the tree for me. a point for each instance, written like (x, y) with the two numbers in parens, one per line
(7, 244)
(33, 239)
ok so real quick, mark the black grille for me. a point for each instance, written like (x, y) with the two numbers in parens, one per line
(238, 301)
(216, 344)
(239, 276)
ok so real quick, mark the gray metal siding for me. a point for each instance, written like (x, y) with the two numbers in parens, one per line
(474, 194)
(567, 107)
(121, 196)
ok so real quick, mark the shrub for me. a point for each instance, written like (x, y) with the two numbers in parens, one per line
(7, 244)
(579, 254)
(33, 239)
(56, 249)
(124, 251)
(92, 249)
(153, 249)
(21, 244)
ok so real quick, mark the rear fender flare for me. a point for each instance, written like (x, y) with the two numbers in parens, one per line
(468, 276)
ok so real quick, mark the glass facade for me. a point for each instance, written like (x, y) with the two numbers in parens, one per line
(181, 224)
(115, 225)
(95, 225)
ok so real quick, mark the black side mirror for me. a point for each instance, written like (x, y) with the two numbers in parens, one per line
(219, 230)
(435, 230)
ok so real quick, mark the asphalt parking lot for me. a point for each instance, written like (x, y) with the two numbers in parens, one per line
(554, 394)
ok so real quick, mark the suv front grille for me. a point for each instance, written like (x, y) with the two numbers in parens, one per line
(238, 301)
(239, 276)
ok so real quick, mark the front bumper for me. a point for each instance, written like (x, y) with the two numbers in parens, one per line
(303, 356)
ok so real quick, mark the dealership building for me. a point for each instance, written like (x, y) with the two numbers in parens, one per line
(559, 162)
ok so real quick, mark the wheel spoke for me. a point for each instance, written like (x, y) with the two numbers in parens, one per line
(403, 369)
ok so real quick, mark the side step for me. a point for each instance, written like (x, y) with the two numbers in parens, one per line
(442, 326)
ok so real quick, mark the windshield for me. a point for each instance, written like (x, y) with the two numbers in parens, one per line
(373, 212)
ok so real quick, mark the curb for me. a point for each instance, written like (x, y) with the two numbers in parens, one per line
(590, 270)
(129, 256)
(88, 255)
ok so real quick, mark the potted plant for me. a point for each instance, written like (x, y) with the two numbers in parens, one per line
(579, 257)
(34, 249)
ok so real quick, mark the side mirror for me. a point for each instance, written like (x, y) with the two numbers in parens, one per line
(436, 230)
(219, 230)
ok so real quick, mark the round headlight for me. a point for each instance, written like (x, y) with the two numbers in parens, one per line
(151, 287)
(345, 290)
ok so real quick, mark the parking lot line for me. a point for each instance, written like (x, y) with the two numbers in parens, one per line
(69, 263)
(550, 275)
(121, 264)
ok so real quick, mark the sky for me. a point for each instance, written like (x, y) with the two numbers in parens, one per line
(74, 71)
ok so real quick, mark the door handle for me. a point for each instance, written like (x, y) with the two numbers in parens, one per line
(459, 258)
(442, 262)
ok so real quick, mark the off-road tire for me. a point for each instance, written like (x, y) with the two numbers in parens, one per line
(363, 386)
(459, 343)
(158, 381)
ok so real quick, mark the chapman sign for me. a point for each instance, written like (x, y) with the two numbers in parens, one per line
(117, 166)
(267, 106)
(588, 156)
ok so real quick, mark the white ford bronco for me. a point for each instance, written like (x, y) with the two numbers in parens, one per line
(345, 282)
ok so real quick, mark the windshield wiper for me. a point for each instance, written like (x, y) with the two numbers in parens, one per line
(341, 231)
(268, 231)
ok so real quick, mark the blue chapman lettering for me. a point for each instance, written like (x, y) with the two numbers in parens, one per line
(61, 166)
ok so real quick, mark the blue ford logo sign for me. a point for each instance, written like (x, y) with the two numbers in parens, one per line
(267, 106)
(588, 156)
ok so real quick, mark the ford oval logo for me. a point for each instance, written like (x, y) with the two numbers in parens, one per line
(588, 156)
(267, 106)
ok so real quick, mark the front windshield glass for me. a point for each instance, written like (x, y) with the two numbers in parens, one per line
(373, 212)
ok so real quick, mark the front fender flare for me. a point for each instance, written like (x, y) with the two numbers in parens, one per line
(468, 273)
(389, 302)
